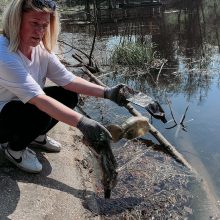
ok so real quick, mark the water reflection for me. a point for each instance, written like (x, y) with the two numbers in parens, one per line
(183, 37)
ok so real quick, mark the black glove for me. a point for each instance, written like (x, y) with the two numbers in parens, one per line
(94, 132)
(118, 94)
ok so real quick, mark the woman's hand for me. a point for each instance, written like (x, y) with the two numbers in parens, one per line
(94, 132)
(118, 94)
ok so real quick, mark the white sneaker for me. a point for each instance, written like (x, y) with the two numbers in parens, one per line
(47, 143)
(25, 160)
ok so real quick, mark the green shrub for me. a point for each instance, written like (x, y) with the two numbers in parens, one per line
(133, 54)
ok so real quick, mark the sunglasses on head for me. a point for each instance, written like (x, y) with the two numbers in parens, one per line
(44, 3)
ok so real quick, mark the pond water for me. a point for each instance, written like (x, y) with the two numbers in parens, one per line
(187, 34)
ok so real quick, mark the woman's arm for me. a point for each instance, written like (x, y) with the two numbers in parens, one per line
(92, 130)
(117, 94)
(56, 109)
(85, 87)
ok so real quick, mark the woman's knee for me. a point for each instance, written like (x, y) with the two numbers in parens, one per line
(19, 117)
(74, 100)
(62, 95)
(42, 119)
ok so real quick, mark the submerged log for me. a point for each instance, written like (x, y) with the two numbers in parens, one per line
(160, 138)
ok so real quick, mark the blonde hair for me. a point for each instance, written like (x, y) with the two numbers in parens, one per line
(12, 23)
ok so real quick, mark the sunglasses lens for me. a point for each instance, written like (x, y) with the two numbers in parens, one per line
(45, 3)
(51, 4)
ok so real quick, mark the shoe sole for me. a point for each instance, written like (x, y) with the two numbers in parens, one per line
(20, 167)
(42, 147)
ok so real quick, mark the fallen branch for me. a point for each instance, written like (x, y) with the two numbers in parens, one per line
(160, 138)
(183, 117)
(159, 72)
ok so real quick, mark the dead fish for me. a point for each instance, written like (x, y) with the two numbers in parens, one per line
(133, 127)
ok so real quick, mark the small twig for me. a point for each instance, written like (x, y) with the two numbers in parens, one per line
(77, 58)
(63, 42)
(64, 62)
(62, 53)
(92, 77)
(173, 126)
(168, 101)
(169, 121)
(95, 32)
(77, 65)
(184, 115)
(130, 161)
(158, 75)
(105, 74)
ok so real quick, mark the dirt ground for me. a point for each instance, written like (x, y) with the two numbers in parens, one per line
(63, 190)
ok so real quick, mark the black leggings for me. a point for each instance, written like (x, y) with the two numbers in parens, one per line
(21, 123)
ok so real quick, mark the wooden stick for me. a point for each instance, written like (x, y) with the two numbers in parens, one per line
(160, 138)
(159, 72)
